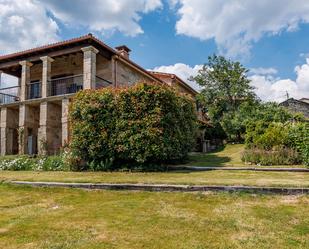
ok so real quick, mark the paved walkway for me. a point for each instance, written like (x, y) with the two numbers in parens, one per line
(201, 168)
(169, 188)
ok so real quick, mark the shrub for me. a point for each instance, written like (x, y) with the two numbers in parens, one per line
(16, 163)
(298, 138)
(276, 134)
(51, 163)
(140, 125)
(280, 156)
(270, 136)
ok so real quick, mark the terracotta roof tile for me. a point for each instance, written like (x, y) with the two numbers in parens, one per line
(174, 76)
(48, 46)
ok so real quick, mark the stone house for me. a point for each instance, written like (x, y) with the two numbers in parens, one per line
(34, 114)
(297, 106)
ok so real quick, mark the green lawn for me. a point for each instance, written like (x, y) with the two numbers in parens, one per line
(34, 218)
(228, 156)
(246, 178)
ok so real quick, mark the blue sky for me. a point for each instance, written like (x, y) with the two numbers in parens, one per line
(269, 37)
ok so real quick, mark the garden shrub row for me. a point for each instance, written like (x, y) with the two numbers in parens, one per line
(140, 126)
(277, 143)
(278, 156)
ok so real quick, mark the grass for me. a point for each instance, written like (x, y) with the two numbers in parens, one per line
(246, 178)
(50, 218)
(227, 156)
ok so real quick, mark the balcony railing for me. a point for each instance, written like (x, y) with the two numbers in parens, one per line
(9, 95)
(72, 84)
(65, 85)
(34, 90)
(58, 86)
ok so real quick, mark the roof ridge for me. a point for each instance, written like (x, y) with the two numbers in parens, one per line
(47, 45)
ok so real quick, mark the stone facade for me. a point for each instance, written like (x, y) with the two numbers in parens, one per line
(297, 106)
(35, 119)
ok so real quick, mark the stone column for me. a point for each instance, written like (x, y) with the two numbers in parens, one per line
(42, 132)
(23, 129)
(3, 131)
(46, 75)
(25, 79)
(65, 122)
(89, 73)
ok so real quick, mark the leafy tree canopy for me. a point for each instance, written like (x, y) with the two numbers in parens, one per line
(224, 86)
(228, 98)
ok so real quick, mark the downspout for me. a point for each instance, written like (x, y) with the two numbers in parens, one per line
(114, 71)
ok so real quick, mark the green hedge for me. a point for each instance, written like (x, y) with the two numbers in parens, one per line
(278, 156)
(269, 141)
(141, 125)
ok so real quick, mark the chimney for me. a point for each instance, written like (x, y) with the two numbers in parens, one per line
(124, 51)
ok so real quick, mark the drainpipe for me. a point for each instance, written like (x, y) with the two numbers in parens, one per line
(114, 71)
(1, 79)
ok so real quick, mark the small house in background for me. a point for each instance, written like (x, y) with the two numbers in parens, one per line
(297, 106)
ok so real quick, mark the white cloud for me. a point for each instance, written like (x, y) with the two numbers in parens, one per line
(103, 15)
(183, 71)
(236, 24)
(8, 80)
(30, 23)
(24, 24)
(269, 88)
(264, 71)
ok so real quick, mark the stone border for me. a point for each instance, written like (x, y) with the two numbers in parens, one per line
(201, 168)
(168, 188)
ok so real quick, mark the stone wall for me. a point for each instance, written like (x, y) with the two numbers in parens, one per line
(9, 131)
(104, 68)
(54, 128)
(180, 88)
(126, 76)
(296, 106)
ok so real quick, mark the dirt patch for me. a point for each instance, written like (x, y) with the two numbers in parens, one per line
(290, 199)
(3, 230)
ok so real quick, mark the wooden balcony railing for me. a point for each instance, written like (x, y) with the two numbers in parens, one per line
(9, 95)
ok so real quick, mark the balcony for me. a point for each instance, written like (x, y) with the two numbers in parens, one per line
(9, 95)
(57, 86)
(72, 84)
(34, 90)
(65, 85)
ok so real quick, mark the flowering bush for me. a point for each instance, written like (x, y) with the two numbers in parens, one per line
(51, 163)
(140, 125)
(19, 163)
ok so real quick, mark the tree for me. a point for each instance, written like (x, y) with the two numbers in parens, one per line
(225, 87)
